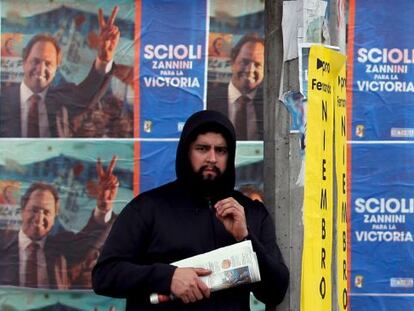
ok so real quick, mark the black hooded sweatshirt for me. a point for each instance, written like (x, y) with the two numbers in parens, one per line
(176, 221)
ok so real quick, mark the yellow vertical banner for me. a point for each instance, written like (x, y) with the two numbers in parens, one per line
(316, 286)
(341, 188)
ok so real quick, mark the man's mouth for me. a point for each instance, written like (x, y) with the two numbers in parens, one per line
(210, 169)
(40, 78)
(252, 79)
(38, 225)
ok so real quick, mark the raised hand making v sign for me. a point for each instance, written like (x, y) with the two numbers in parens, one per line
(107, 187)
(108, 38)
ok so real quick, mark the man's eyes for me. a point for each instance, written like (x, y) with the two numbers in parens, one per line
(39, 61)
(201, 148)
(247, 62)
(35, 210)
(221, 150)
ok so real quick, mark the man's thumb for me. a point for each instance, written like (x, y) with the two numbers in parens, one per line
(202, 271)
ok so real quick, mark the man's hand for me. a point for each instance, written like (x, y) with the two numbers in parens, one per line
(187, 285)
(107, 186)
(108, 36)
(81, 272)
(125, 74)
(231, 214)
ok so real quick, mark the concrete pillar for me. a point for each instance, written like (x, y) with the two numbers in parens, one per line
(276, 134)
(281, 149)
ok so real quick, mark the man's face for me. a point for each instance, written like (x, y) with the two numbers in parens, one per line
(9, 45)
(208, 155)
(218, 44)
(247, 68)
(40, 66)
(10, 194)
(39, 214)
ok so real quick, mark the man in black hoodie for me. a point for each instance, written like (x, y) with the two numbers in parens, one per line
(200, 211)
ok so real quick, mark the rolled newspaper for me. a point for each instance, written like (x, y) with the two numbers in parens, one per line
(231, 266)
(158, 298)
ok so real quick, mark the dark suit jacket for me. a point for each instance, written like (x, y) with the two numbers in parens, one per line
(74, 98)
(63, 249)
(217, 99)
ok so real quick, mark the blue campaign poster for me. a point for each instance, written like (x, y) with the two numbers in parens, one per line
(382, 228)
(381, 114)
(172, 65)
(382, 64)
(157, 163)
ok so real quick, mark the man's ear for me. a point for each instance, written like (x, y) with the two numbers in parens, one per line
(57, 209)
(59, 61)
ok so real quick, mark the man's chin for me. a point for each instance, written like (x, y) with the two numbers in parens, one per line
(37, 89)
(251, 86)
(38, 85)
(209, 177)
(248, 87)
(37, 234)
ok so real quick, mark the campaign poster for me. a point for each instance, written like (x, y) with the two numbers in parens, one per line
(381, 58)
(318, 192)
(249, 169)
(156, 163)
(342, 207)
(79, 187)
(236, 65)
(185, 41)
(382, 207)
(84, 88)
(326, 68)
(29, 300)
(172, 65)
(381, 111)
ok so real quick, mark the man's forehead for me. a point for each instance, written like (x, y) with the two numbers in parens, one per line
(211, 137)
(43, 48)
(42, 194)
(252, 48)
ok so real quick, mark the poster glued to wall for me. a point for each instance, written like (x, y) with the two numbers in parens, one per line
(380, 91)
(325, 68)
(122, 78)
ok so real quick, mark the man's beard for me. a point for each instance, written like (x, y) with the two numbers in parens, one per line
(209, 185)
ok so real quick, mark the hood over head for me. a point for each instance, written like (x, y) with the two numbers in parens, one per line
(200, 123)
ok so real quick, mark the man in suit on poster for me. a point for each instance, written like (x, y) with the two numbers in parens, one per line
(242, 99)
(34, 108)
(45, 255)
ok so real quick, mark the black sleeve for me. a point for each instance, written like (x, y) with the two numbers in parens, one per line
(92, 236)
(121, 270)
(77, 97)
(273, 271)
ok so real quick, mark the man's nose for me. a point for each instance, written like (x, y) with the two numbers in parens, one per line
(212, 156)
(41, 67)
(250, 67)
(38, 217)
